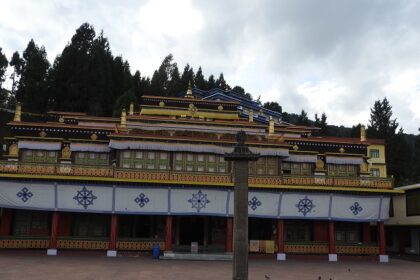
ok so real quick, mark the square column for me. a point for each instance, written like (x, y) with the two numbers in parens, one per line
(383, 257)
(52, 248)
(112, 247)
(229, 235)
(366, 233)
(6, 222)
(332, 255)
(281, 254)
(168, 234)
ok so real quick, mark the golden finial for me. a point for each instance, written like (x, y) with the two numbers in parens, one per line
(123, 118)
(131, 111)
(251, 116)
(18, 112)
(271, 126)
(362, 133)
(189, 91)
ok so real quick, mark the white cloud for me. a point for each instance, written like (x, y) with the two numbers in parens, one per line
(321, 56)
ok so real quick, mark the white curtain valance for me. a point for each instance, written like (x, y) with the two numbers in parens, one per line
(344, 160)
(301, 158)
(86, 147)
(269, 151)
(39, 145)
(196, 148)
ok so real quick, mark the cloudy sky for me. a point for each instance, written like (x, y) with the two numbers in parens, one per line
(336, 57)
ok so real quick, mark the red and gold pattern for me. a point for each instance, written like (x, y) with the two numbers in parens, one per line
(24, 243)
(138, 245)
(82, 244)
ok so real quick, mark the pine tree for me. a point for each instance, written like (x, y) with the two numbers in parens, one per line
(86, 77)
(273, 106)
(32, 86)
(17, 63)
(211, 84)
(323, 124)
(221, 83)
(3, 67)
(199, 80)
(160, 83)
(381, 125)
(303, 118)
(187, 77)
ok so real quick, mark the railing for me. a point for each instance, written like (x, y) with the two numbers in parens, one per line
(24, 242)
(189, 177)
(139, 244)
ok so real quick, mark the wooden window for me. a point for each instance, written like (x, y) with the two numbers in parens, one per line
(39, 156)
(375, 172)
(305, 169)
(149, 160)
(374, 153)
(412, 200)
(192, 162)
(87, 158)
(264, 166)
(342, 170)
(297, 231)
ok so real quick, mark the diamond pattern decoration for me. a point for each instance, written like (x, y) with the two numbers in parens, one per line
(254, 203)
(141, 200)
(85, 197)
(24, 194)
(356, 208)
(199, 200)
(305, 205)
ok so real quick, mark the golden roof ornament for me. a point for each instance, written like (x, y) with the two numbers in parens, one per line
(43, 133)
(18, 112)
(66, 153)
(220, 108)
(161, 104)
(13, 150)
(189, 91)
(94, 136)
(362, 133)
(61, 120)
(342, 150)
(295, 147)
(131, 110)
(123, 118)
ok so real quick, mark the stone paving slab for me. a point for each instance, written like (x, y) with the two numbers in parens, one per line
(35, 265)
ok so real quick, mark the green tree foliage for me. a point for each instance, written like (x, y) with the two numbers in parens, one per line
(399, 156)
(211, 83)
(124, 102)
(273, 106)
(3, 67)
(187, 77)
(32, 85)
(322, 123)
(381, 125)
(303, 118)
(221, 83)
(199, 80)
(86, 77)
(17, 63)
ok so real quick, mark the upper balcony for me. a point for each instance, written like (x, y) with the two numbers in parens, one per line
(110, 173)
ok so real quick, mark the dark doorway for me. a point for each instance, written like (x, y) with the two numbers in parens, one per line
(191, 230)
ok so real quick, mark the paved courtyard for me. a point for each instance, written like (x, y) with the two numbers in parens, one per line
(35, 265)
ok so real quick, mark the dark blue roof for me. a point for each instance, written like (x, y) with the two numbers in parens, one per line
(230, 95)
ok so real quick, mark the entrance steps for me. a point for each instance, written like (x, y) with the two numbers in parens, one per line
(196, 256)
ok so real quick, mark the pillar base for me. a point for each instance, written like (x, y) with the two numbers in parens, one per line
(52, 252)
(111, 253)
(281, 256)
(332, 257)
(383, 258)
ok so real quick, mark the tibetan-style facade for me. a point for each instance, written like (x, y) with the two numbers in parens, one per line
(159, 175)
